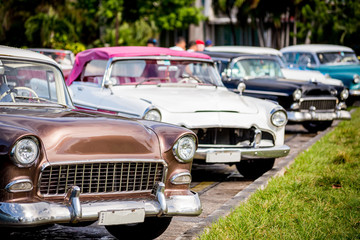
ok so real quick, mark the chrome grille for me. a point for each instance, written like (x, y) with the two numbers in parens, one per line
(319, 104)
(228, 136)
(101, 177)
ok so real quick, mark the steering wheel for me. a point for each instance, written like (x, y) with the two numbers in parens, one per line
(190, 79)
(19, 88)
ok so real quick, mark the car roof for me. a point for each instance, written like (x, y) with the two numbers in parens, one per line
(106, 53)
(6, 51)
(316, 48)
(230, 55)
(50, 50)
(245, 49)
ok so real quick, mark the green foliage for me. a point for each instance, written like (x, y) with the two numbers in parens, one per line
(92, 22)
(131, 34)
(50, 28)
(317, 198)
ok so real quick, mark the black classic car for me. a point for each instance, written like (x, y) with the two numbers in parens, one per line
(313, 104)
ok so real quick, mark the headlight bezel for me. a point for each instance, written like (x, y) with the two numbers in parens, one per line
(31, 142)
(178, 143)
(276, 112)
(297, 94)
(344, 94)
(150, 111)
(356, 78)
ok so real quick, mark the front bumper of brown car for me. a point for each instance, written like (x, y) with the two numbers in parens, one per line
(73, 211)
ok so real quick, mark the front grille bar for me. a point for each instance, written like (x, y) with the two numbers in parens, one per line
(319, 103)
(102, 176)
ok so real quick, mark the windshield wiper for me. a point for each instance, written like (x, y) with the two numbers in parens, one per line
(38, 99)
(153, 79)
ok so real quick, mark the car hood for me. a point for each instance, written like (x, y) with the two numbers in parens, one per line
(309, 75)
(190, 99)
(74, 135)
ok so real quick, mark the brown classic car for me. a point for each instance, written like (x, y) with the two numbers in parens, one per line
(59, 165)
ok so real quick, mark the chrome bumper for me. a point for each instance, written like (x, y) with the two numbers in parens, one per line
(317, 116)
(354, 92)
(72, 211)
(246, 153)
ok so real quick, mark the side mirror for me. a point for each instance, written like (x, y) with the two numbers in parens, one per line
(108, 84)
(241, 87)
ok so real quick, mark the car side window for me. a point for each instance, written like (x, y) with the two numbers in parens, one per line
(238, 71)
(94, 72)
(290, 58)
(305, 60)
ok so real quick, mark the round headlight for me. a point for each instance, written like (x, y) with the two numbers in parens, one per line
(184, 148)
(153, 115)
(356, 78)
(25, 151)
(297, 94)
(344, 94)
(279, 118)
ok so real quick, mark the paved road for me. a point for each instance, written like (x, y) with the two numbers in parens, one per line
(216, 184)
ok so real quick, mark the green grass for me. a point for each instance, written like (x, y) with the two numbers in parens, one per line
(317, 198)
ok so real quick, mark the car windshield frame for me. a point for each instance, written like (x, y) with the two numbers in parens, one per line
(171, 73)
(32, 83)
(250, 75)
(339, 57)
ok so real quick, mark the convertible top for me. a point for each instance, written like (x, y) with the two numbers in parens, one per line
(105, 53)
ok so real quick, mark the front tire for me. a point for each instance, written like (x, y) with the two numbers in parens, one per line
(151, 228)
(314, 127)
(254, 168)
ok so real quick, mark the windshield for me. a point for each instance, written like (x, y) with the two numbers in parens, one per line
(25, 82)
(337, 57)
(151, 71)
(250, 68)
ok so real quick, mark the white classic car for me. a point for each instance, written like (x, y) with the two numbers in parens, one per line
(185, 89)
(289, 73)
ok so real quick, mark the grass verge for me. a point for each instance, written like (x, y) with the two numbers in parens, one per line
(317, 198)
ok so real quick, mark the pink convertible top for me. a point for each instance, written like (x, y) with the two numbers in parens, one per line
(109, 52)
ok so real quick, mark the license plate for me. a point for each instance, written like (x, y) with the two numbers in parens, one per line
(324, 116)
(118, 217)
(223, 157)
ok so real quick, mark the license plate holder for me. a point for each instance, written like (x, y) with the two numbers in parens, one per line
(117, 217)
(223, 157)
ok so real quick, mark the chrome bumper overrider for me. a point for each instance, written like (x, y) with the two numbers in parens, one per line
(246, 153)
(317, 116)
(72, 210)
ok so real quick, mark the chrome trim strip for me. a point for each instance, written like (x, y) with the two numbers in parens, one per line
(265, 92)
(318, 98)
(164, 57)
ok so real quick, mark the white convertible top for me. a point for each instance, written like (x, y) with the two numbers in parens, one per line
(316, 48)
(6, 51)
(245, 50)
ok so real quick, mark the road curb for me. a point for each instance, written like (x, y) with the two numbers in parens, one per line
(260, 183)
